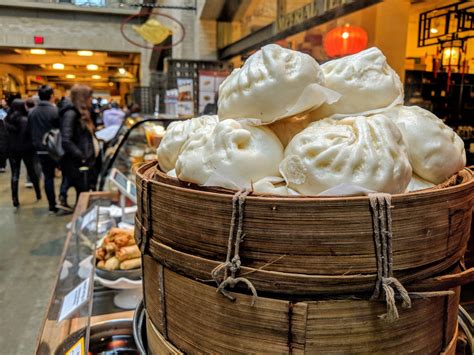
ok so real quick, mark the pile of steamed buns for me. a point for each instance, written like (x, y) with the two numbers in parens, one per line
(288, 126)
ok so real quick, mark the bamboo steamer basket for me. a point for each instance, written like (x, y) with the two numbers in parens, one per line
(302, 245)
(187, 316)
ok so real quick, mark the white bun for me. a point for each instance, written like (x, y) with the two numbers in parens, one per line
(176, 135)
(233, 155)
(436, 152)
(273, 83)
(365, 151)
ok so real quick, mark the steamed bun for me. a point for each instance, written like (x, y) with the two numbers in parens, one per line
(436, 152)
(417, 183)
(366, 82)
(287, 128)
(177, 134)
(365, 151)
(273, 185)
(273, 83)
(234, 155)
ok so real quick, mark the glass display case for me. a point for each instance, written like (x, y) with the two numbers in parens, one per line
(135, 143)
(89, 312)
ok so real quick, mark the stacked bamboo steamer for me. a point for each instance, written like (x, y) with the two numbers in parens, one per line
(243, 272)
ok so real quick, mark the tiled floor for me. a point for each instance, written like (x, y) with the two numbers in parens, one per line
(31, 242)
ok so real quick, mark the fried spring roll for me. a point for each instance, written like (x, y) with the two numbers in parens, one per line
(112, 264)
(131, 264)
(127, 253)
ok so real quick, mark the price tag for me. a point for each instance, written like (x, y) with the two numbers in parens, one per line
(77, 349)
(74, 299)
(126, 186)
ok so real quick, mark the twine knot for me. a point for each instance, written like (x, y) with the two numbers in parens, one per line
(389, 285)
(233, 265)
(381, 205)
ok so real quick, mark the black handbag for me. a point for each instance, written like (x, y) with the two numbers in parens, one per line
(53, 143)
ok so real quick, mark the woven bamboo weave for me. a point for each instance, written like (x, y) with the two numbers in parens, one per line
(199, 320)
(303, 245)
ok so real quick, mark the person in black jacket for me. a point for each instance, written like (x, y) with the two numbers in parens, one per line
(3, 136)
(41, 120)
(80, 163)
(20, 148)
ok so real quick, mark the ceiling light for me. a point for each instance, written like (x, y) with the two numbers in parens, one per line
(37, 51)
(122, 71)
(96, 77)
(85, 53)
(92, 67)
(70, 76)
(111, 84)
(434, 30)
(58, 66)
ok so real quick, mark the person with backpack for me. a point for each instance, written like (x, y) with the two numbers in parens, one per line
(20, 148)
(42, 119)
(81, 161)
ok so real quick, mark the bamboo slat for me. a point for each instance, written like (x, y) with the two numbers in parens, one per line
(303, 284)
(157, 342)
(199, 320)
(303, 244)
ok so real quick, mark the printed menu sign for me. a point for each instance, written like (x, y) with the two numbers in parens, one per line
(74, 299)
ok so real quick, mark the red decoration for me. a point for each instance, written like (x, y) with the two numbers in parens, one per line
(39, 39)
(345, 40)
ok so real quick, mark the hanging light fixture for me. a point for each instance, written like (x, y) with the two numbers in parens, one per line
(38, 51)
(451, 53)
(85, 53)
(345, 40)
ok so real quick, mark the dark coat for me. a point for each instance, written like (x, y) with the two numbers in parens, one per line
(76, 138)
(19, 138)
(41, 120)
(3, 140)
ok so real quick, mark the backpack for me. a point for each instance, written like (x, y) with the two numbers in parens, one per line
(53, 143)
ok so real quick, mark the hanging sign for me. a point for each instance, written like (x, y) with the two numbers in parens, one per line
(313, 9)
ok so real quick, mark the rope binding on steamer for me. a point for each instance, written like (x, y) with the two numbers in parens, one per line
(233, 264)
(381, 204)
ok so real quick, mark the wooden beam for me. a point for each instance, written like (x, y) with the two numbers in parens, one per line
(212, 9)
(67, 60)
(77, 72)
(270, 33)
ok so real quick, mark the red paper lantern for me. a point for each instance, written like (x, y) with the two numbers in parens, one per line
(345, 40)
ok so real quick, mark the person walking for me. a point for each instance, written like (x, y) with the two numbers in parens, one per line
(3, 136)
(80, 163)
(41, 120)
(113, 116)
(20, 148)
(30, 104)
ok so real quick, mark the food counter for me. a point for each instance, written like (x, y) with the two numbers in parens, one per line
(78, 315)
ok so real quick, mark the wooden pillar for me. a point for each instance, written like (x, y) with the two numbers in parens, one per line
(281, 7)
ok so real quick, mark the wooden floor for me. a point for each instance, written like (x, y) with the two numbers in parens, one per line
(31, 242)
